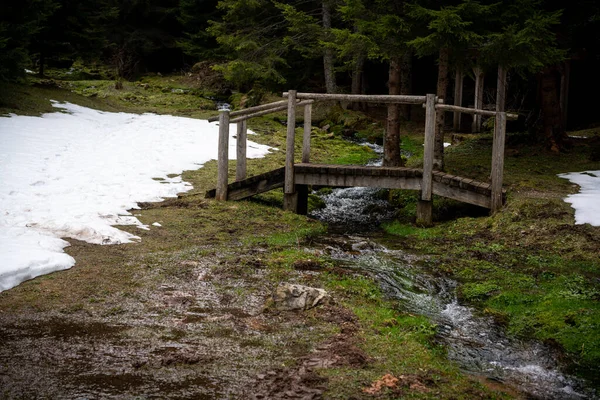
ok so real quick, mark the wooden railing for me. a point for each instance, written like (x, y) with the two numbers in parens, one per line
(242, 116)
(294, 99)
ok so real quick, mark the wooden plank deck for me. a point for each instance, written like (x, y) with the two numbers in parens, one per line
(455, 187)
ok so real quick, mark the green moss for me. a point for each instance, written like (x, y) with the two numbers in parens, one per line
(398, 344)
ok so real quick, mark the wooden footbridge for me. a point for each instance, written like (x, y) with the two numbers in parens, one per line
(295, 178)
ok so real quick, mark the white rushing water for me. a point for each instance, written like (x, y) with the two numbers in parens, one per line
(473, 340)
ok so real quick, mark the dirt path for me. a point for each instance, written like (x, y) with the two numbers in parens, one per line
(203, 335)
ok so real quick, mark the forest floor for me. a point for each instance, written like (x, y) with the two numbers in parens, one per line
(187, 312)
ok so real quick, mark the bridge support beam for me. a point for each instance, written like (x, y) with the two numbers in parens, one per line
(241, 143)
(425, 205)
(223, 156)
(424, 213)
(290, 196)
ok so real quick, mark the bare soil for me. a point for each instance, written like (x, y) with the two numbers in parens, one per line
(203, 335)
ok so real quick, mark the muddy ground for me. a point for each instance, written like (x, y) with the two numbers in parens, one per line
(206, 331)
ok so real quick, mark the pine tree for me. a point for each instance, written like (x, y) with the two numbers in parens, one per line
(451, 29)
(250, 34)
(20, 21)
(309, 31)
(194, 16)
(378, 31)
(74, 30)
(526, 42)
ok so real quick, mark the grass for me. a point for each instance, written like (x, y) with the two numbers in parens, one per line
(528, 265)
(401, 345)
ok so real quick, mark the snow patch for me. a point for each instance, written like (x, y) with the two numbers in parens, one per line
(75, 173)
(587, 202)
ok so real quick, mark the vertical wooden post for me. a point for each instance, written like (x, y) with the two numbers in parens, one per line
(458, 95)
(425, 205)
(242, 139)
(498, 160)
(501, 89)
(290, 197)
(223, 155)
(307, 132)
(479, 81)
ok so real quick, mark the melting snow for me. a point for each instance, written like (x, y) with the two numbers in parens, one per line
(587, 202)
(75, 173)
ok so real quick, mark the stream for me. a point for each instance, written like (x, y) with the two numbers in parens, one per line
(474, 341)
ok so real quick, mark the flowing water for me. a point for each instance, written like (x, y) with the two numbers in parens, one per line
(473, 340)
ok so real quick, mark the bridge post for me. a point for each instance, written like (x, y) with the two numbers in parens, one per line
(498, 160)
(290, 196)
(223, 155)
(307, 132)
(425, 204)
(242, 138)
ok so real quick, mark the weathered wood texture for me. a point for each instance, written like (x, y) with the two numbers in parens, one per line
(269, 111)
(290, 199)
(468, 110)
(223, 156)
(428, 149)
(424, 213)
(400, 99)
(498, 161)
(455, 187)
(425, 205)
(307, 132)
(241, 143)
(251, 110)
(254, 185)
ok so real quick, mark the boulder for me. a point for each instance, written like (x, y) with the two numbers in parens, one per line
(290, 296)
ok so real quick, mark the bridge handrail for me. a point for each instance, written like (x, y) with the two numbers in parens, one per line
(250, 110)
(367, 98)
(269, 111)
(467, 110)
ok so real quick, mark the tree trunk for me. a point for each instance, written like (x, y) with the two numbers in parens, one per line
(553, 132)
(442, 85)
(391, 143)
(406, 82)
(458, 95)
(42, 64)
(501, 88)
(330, 85)
(357, 80)
(357, 74)
(478, 101)
(564, 92)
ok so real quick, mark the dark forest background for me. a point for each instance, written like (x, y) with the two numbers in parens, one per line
(549, 50)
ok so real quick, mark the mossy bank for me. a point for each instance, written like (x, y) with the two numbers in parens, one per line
(185, 313)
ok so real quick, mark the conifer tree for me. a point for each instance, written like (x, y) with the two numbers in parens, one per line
(194, 16)
(250, 34)
(20, 21)
(378, 31)
(525, 42)
(446, 30)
